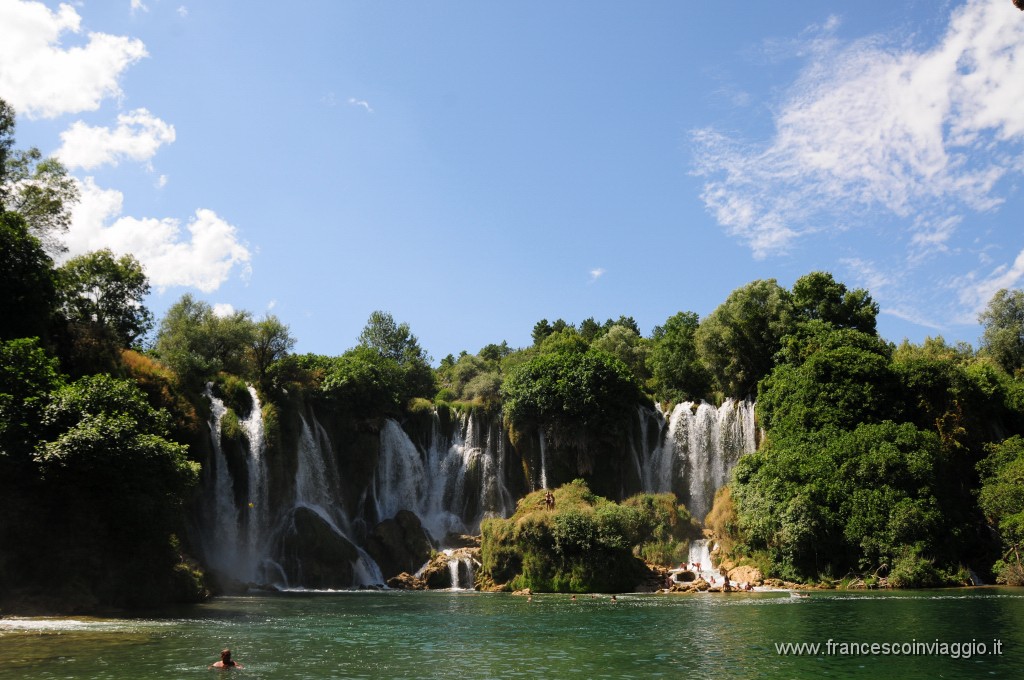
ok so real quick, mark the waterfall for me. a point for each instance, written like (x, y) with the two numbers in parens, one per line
(460, 568)
(700, 554)
(258, 506)
(317, 488)
(543, 462)
(237, 541)
(696, 450)
(452, 484)
(222, 541)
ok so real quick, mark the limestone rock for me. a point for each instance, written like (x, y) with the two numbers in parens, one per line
(750, 575)
(314, 554)
(399, 544)
(406, 581)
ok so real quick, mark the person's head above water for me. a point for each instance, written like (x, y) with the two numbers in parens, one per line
(226, 661)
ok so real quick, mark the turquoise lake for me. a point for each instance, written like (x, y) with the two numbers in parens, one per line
(393, 634)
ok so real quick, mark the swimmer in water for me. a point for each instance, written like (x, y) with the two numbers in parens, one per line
(226, 661)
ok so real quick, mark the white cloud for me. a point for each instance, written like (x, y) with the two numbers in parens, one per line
(40, 77)
(596, 273)
(975, 293)
(868, 127)
(361, 103)
(223, 309)
(182, 11)
(138, 5)
(203, 258)
(161, 182)
(138, 136)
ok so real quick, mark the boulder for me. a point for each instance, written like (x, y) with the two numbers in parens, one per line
(750, 575)
(406, 581)
(314, 554)
(399, 544)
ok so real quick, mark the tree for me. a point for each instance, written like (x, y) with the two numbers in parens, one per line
(628, 347)
(98, 288)
(27, 291)
(830, 378)
(675, 366)
(39, 189)
(737, 341)
(1001, 498)
(27, 376)
(43, 192)
(818, 296)
(197, 344)
(271, 342)
(113, 491)
(395, 342)
(1003, 338)
(391, 340)
(867, 500)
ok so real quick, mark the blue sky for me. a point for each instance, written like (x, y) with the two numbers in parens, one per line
(473, 167)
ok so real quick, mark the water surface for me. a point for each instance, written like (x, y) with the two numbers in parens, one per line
(485, 635)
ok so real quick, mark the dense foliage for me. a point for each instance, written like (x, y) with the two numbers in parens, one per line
(585, 543)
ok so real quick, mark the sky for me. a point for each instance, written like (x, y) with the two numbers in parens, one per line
(474, 167)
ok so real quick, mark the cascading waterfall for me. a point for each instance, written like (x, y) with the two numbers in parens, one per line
(543, 462)
(460, 568)
(317, 488)
(222, 542)
(258, 519)
(696, 450)
(700, 554)
(238, 542)
(452, 481)
(451, 485)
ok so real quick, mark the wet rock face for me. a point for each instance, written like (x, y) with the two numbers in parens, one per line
(314, 554)
(399, 544)
(438, 575)
(406, 581)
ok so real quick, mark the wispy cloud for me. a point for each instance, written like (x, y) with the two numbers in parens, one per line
(871, 132)
(137, 6)
(42, 79)
(182, 11)
(596, 273)
(352, 101)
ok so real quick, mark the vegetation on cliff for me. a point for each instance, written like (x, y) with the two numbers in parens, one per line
(584, 543)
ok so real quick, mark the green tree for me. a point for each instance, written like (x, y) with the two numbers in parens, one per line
(1003, 338)
(271, 342)
(28, 295)
(98, 288)
(27, 377)
(678, 372)
(395, 342)
(114, 489)
(196, 344)
(737, 341)
(391, 340)
(39, 189)
(818, 296)
(623, 343)
(829, 378)
(1001, 498)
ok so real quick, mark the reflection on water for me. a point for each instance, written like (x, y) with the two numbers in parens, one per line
(475, 635)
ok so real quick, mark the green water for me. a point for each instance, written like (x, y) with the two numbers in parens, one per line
(479, 635)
